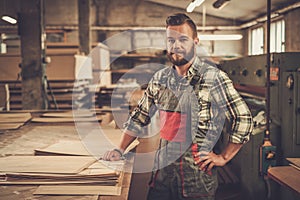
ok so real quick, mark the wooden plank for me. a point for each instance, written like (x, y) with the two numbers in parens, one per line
(24, 140)
(99, 177)
(13, 120)
(294, 161)
(69, 114)
(104, 173)
(287, 176)
(78, 190)
(45, 164)
(110, 179)
(15, 115)
(64, 120)
(10, 126)
(8, 117)
(64, 148)
(26, 192)
(295, 166)
(109, 109)
(99, 174)
(51, 182)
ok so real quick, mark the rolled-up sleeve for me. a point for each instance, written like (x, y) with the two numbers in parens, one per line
(141, 115)
(237, 111)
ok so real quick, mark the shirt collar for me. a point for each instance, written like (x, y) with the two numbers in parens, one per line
(194, 69)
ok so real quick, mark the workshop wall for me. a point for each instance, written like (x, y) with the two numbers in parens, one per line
(62, 14)
(292, 29)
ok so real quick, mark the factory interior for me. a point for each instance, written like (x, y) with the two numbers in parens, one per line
(72, 71)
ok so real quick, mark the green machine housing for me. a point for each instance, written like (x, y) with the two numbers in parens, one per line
(249, 77)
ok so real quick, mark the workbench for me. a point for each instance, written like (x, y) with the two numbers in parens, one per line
(286, 176)
(31, 136)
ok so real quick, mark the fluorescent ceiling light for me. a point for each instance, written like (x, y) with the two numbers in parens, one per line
(219, 4)
(193, 5)
(220, 37)
(9, 19)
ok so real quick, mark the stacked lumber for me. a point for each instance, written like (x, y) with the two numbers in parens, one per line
(64, 168)
(60, 93)
(62, 174)
(68, 117)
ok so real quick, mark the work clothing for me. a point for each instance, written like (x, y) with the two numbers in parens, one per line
(192, 110)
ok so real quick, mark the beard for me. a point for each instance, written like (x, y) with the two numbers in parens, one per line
(180, 58)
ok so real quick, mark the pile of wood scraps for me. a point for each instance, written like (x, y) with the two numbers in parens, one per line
(13, 120)
(68, 117)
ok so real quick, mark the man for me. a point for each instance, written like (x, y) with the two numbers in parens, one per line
(192, 97)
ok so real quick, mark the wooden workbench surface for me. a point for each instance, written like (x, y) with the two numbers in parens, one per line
(34, 136)
(287, 176)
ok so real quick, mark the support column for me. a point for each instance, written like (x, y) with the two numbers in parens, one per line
(84, 26)
(31, 30)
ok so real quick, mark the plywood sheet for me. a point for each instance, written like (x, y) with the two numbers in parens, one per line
(51, 182)
(64, 119)
(88, 174)
(10, 126)
(99, 174)
(30, 137)
(78, 190)
(67, 147)
(15, 115)
(82, 189)
(8, 117)
(45, 164)
(69, 114)
(64, 148)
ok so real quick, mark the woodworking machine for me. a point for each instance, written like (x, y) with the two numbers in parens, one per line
(249, 77)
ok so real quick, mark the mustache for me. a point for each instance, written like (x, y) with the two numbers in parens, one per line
(176, 52)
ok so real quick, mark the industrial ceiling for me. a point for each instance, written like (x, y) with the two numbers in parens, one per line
(241, 11)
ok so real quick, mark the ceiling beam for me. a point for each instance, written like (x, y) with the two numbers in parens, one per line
(262, 19)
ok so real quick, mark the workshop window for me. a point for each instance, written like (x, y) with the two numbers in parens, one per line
(256, 42)
(277, 36)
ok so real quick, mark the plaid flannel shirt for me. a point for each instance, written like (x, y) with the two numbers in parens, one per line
(214, 96)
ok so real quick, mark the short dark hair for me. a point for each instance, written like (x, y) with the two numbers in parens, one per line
(179, 19)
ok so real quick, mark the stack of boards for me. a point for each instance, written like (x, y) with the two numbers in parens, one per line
(14, 120)
(59, 169)
(68, 116)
